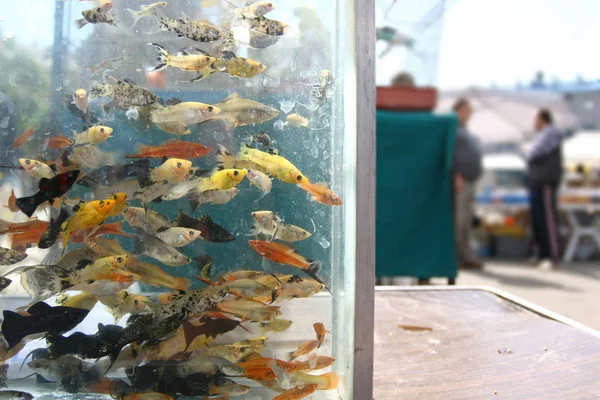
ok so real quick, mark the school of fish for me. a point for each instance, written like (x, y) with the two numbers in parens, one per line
(94, 212)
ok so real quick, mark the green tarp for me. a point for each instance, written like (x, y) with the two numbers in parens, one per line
(415, 235)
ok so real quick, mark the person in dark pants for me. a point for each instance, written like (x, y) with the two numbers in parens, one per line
(544, 173)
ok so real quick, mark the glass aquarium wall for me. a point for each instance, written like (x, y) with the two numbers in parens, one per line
(178, 191)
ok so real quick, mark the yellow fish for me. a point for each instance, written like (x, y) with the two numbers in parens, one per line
(122, 303)
(221, 180)
(273, 165)
(186, 113)
(94, 135)
(37, 169)
(183, 60)
(120, 199)
(84, 301)
(173, 170)
(236, 66)
(87, 215)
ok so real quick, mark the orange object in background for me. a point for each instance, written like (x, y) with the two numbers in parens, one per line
(395, 98)
(510, 221)
(156, 79)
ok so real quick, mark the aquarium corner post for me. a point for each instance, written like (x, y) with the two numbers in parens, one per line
(365, 200)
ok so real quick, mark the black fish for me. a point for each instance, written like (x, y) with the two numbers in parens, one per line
(49, 189)
(51, 233)
(102, 343)
(211, 231)
(43, 319)
(4, 283)
(14, 395)
(10, 256)
(111, 174)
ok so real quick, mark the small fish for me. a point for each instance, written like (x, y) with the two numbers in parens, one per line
(173, 148)
(319, 90)
(261, 368)
(22, 138)
(200, 31)
(151, 246)
(237, 111)
(37, 169)
(249, 310)
(42, 318)
(282, 254)
(233, 65)
(209, 365)
(122, 303)
(80, 99)
(94, 135)
(9, 256)
(296, 120)
(214, 196)
(313, 364)
(180, 190)
(221, 180)
(15, 395)
(267, 26)
(146, 11)
(182, 60)
(321, 193)
(85, 301)
(293, 287)
(155, 276)
(291, 233)
(260, 180)
(102, 343)
(96, 16)
(150, 221)
(177, 236)
(174, 128)
(86, 215)
(51, 233)
(49, 190)
(114, 228)
(320, 331)
(211, 231)
(92, 157)
(173, 170)
(70, 371)
(272, 164)
(114, 174)
(227, 387)
(278, 325)
(109, 64)
(247, 288)
(58, 142)
(236, 351)
(297, 392)
(267, 222)
(186, 113)
(261, 138)
(235, 275)
(124, 93)
(305, 348)
(255, 9)
(326, 381)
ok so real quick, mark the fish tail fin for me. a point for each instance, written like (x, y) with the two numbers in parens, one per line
(181, 284)
(194, 201)
(134, 15)
(314, 267)
(163, 57)
(14, 327)
(80, 23)
(29, 204)
(224, 158)
(206, 268)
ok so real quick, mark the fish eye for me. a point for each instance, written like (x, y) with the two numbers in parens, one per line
(236, 173)
(28, 161)
(178, 165)
(260, 66)
(210, 108)
(101, 203)
(207, 58)
(119, 259)
(270, 5)
(191, 233)
(299, 178)
(101, 130)
(136, 302)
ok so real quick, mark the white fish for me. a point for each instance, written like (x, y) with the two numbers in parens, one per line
(260, 180)
(178, 236)
(146, 11)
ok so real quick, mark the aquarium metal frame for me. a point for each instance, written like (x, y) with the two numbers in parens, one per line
(364, 301)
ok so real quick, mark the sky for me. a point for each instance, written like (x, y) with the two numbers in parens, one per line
(480, 42)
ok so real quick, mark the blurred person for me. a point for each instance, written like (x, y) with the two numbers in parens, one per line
(467, 170)
(544, 173)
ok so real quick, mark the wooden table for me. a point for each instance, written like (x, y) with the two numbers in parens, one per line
(478, 343)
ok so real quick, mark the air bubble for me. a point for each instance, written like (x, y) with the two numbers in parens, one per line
(4, 122)
(278, 126)
(219, 136)
(287, 105)
(323, 242)
(271, 81)
(132, 113)
(314, 152)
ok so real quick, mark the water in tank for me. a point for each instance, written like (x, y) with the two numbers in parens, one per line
(177, 184)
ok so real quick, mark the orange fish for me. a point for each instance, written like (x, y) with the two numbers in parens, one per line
(173, 148)
(321, 193)
(305, 348)
(58, 142)
(22, 138)
(12, 202)
(282, 254)
(297, 392)
(117, 276)
(259, 368)
(320, 331)
(146, 396)
(326, 381)
(314, 364)
(249, 310)
(114, 228)
(32, 224)
(155, 276)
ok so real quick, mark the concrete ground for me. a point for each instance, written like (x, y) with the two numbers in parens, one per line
(573, 290)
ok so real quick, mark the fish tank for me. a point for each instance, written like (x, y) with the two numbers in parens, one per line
(179, 199)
